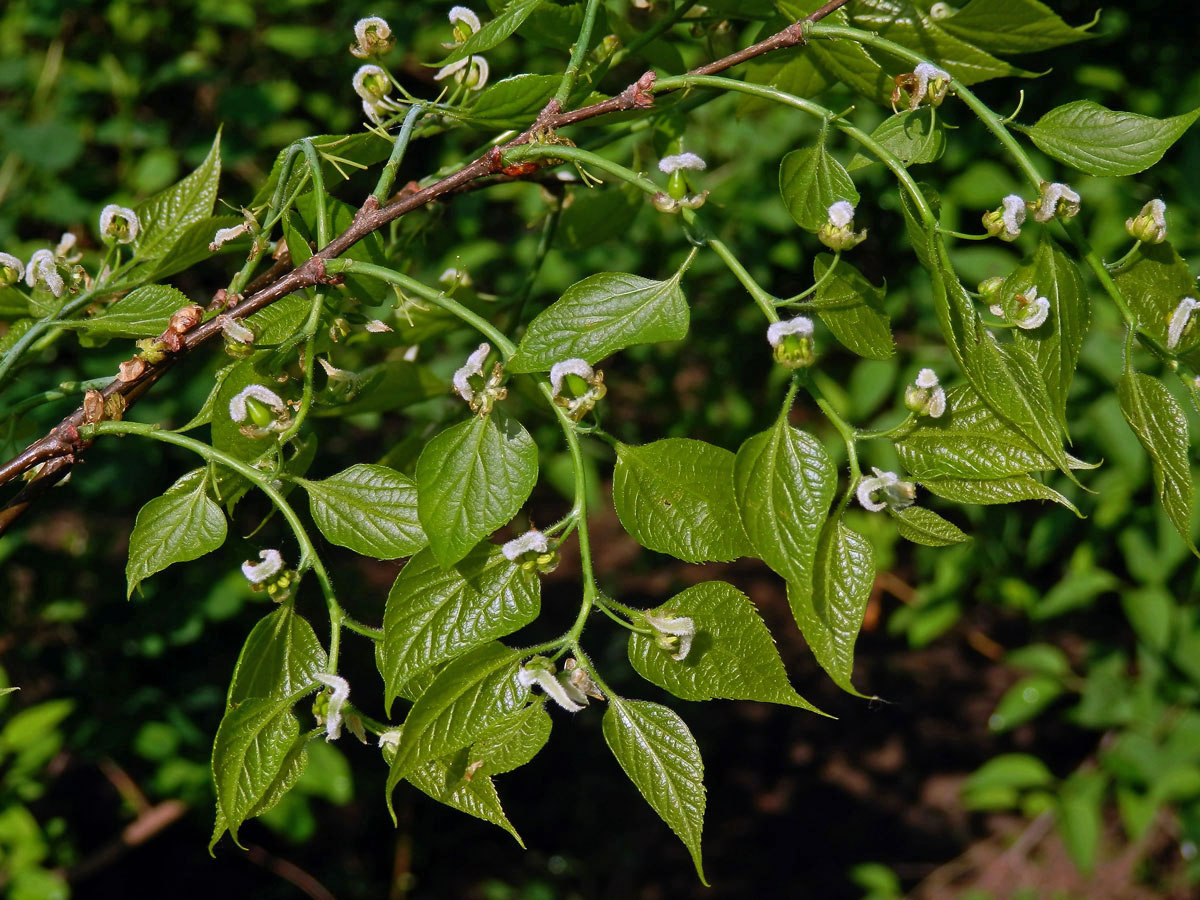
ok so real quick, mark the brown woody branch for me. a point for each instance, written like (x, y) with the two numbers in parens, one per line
(62, 448)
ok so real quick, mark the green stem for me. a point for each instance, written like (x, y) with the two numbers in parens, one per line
(603, 606)
(837, 256)
(843, 428)
(766, 302)
(318, 179)
(310, 345)
(549, 228)
(578, 49)
(388, 176)
(524, 152)
(308, 553)
(863, 434)
(506, 347)
(66, 389)
(375, 634)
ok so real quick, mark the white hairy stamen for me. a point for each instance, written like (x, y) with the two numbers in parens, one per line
(841, 214)
(677, 161)
(1014, 214)
(333, 715)
(1048, 206)
(473, 366)
(560, 370)
(776, 331)
(257, 573)
(519, 546)
(1179, 320)
(225, 235)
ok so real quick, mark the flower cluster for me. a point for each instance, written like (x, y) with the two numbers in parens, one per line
(1150, 225)
(372, 37)
(533, 551)
(672, 633)
(373, 84)
(570, 689)
(677, 196)
(1006, 221)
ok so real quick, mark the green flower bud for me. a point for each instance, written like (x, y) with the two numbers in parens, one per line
(1150, 225)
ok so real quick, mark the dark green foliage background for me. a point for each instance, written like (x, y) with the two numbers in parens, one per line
(108, 102)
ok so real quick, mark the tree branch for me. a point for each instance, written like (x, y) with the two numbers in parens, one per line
(59, 450)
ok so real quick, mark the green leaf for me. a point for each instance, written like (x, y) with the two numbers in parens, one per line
(924, 526)
(513, 102)
(596, 215)
(1023, 701)
(473, 694)
(914, 136)
(1012, 26)
(660, 756)
(967, 441)
(1101, 141)
(988, 491)
(443, 781)
(811, 181)
(1054, 345)
(852, 308)
(204, 414)
(142, 313)
(281, 657)
(512, 743)
(732, 656)
(1152, 285)
(831, 613)
(254, 742)
(435, 614)
(370, 509)
(493, 32)
(784, 482)
(1081, 816)
(1149, 610)
(471, 479)
(676, 496)
(1159, 423)
(600, 315)
(165, 216)
(831, 61)
(171, 529)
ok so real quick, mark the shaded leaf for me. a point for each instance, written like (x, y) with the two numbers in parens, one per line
(914, 136)
(513, 742)
(141, 313)
(442, 780)
(924, 526)
(811, 181)
(988, 491)
(171, 529)
(852, 308)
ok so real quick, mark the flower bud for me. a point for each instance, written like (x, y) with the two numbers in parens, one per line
(185, 319)
(1181, 321)
(472, 72)
(42, 273)
(152, 350)
(119, 224)
(926, 81)
(1150, 225)
(885, 490)
(989, 289)
(259, 410)
(673, 634)
(372, 37)
(465, 23)
(792, 342)
(926, 397)
(1055, 199)
(339, 693)
(665, 203)
(371, 83)
(12, 270)
(838, 232)
(576, 387)
(1005, 222)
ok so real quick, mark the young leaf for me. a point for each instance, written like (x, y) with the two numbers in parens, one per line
(784, 482)
(1101, 141)
(513, 742)
(924, 526)
(295, 761)
(166, 216)
(513, 102)
(811, 181)
(470, 696)
(170, 529)
(471, 479)
(600, 315)
(914, 136)
(142, 313)
(253, 744)
(676, 496)
(370, 509)
(1055, 344)
(660, 756)
(442, 780)
(1152, 285)
(852, 308)
(435, 614)
(493, 32)
(1012, 26)
(831, 613)
(281, 657)
(1159, 423)
(1081, 816)
(989, 491)
(967, 441)
(732, 656)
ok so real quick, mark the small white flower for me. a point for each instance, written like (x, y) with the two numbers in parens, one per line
(532, 540)
(674, 163)
(894, 492)
(119, 223)
(465, 16)
(42, 272)
(1013, 216)
(333, 715)
(801, 325)
(372, 36)
(927, 378)
(927, 72)
(560, 370)
(376, 326)
(473, 366)
(841, 214)
(257, 573)
(66, 244)
(225, 235)
(1035, 314)
(1179, 321)
(390, 739)
(472, 71)
(12, 269)
(371, 83)
(261, 393)
(1052, 196)
(929, 398)
(941, 11)
(554, 689)
(680, 627)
